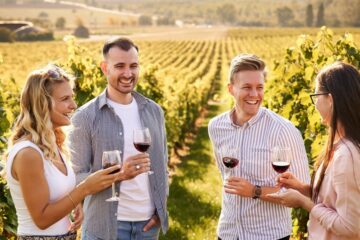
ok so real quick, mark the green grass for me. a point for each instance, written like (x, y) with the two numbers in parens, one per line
(194, 203)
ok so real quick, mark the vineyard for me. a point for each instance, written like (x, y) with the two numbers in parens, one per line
(183, 77)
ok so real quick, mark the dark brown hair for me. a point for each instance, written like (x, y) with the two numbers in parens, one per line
(120, 42)
(342, 81)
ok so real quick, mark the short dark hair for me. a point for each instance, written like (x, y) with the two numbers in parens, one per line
(120, 42)
(246, 62)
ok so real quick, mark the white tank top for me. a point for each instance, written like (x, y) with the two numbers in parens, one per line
(59, 186)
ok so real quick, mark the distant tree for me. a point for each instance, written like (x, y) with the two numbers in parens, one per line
(285, 16)
(167, 20)
(320, 20)
(60, 23)
(6, 35)
(309, 15)
(227, 13)
(81, 32)
(145, 20)
(43, 15)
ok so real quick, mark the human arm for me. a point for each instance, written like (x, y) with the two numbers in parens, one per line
(243, 188)
(289, 136)
(341, 215)
(28, 169)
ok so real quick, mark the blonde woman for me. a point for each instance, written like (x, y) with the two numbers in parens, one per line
(41, 181)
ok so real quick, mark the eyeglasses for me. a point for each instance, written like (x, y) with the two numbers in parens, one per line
(314, 96)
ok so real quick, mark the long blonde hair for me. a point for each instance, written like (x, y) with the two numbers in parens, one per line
(33, 122)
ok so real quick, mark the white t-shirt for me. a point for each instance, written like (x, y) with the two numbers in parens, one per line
(135, 202)
(59, 186)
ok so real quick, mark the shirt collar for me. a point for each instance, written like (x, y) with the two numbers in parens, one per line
(251, 121)
(140, 99)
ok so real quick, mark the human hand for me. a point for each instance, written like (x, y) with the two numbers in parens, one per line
(78, 217)
(289, 198)
(239, 186)
(134, 165)
(288, 180)
(154, 220)
(100, 180)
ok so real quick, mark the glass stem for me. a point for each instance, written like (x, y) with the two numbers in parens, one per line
(113, 190)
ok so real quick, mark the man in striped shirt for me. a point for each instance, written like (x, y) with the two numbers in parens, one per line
(252, 130)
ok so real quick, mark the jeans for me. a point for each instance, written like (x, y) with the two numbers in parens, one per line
(134, 231)
(130, 231)
(285, 238)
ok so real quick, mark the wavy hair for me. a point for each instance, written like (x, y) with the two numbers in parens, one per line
(342, 81)
(246, 62)
(33, 122)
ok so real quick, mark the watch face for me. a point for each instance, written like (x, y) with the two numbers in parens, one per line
(257, 192)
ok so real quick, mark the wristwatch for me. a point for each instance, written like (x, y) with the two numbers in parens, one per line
(256, 192)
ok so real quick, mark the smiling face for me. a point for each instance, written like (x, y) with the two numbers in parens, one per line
(63, 104)
(121, 69)
(247, 88)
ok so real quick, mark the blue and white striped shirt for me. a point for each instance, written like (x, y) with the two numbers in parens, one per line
(247, 218)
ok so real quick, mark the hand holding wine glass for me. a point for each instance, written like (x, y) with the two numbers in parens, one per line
(111, 158)
(142, 141)
(280, 160)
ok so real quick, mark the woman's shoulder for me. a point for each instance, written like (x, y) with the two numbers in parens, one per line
(347, 159)
(23, 157)
(24, 145)
(25, 150)
(346, 148)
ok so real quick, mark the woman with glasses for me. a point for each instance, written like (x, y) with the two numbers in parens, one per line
(41, 181)
(333, 198)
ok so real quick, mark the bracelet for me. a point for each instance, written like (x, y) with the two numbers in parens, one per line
(71, 200)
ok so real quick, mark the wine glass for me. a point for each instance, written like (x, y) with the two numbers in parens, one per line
(229, 159)
(142, 141)
(280, 161)
(109, 159)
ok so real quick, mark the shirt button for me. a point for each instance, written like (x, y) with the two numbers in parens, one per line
(120, 133)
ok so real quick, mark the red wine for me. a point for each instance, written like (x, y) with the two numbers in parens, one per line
(107, 165)
(142, 146)
(280, 167)
(230, 162)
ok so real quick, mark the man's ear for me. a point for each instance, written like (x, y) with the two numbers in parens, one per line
(230, 88)
(103, 66)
